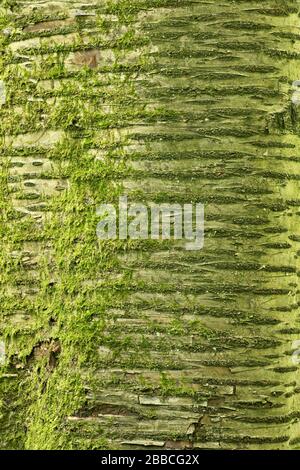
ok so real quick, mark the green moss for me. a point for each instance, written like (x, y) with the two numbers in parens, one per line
(220, 318)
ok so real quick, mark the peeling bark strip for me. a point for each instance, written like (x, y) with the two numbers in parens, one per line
(116, 344)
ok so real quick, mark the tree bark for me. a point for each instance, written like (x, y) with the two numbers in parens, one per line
(142, 344)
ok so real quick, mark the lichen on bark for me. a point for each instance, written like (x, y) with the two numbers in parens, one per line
(143, 344)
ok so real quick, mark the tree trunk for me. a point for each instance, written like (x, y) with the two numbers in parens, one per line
(143, 344)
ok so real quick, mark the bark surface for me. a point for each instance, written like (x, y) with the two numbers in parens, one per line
(144, 344)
